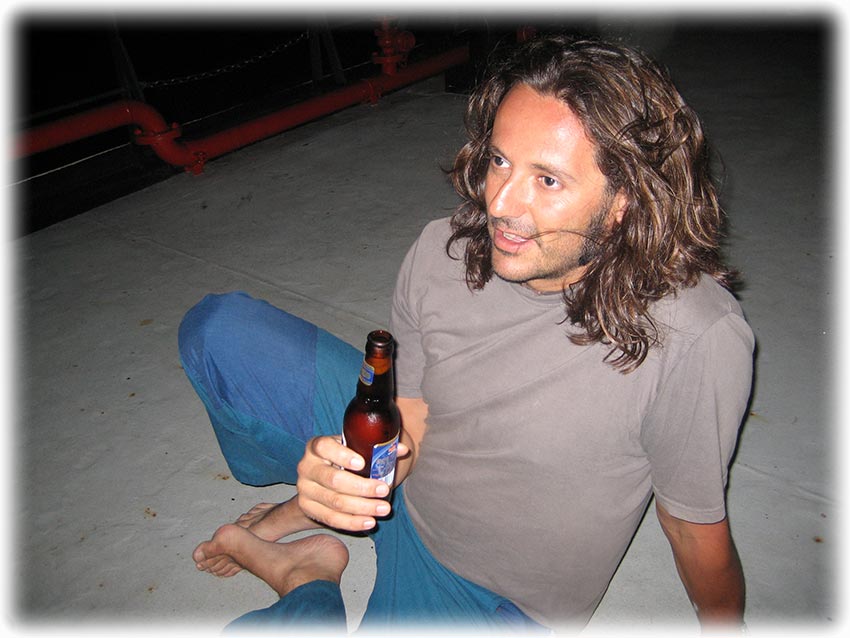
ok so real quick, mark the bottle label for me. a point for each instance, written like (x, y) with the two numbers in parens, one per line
(383, 461)
(367, 373)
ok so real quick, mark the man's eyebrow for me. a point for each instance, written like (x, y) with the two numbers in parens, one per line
(492, 149)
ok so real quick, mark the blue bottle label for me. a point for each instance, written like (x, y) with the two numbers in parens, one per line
(367, 373)
(383, 461)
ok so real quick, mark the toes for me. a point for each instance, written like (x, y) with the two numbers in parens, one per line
(262, 507)
(217, 563)
(259, 509)
(231, 570)
(198, 555)
(219, 566)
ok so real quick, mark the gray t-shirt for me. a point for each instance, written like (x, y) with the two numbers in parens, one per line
(539, 458)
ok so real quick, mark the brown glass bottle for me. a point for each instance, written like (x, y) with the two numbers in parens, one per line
(372, 423)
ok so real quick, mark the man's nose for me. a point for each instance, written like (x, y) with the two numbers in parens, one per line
(509, 198)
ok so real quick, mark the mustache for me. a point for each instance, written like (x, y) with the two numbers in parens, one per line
(505, 225)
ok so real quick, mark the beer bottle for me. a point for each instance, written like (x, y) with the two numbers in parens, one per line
(371, 423)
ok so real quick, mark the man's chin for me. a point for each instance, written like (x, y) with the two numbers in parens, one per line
(506, 274)
(510, 276)
(543, 285)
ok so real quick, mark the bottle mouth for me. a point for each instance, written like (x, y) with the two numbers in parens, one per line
(380, 338)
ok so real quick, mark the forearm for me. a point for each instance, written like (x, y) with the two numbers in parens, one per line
(710, 569)
(716, 589)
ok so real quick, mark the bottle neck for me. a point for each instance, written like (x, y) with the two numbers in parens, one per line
(376, 379)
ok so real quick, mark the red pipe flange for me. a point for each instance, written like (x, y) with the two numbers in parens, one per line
(165, 145)
(395, 45)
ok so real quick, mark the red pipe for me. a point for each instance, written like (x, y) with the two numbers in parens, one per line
(192, 154)
(106, 118)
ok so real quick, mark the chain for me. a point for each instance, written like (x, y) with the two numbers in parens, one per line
(229, 68)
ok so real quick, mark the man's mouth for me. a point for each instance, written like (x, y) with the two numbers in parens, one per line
(512, 237)
(507, 241)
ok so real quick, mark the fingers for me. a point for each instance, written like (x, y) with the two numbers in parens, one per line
(331, 450)
(335, 519)
(343, 482)
(321, 464)
(333, 496)
(343, 500)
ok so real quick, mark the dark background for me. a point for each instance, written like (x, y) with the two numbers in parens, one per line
(205, 74)
(208, 74)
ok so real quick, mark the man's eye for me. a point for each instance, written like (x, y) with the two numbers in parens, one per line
(549, 182)
(498, 161)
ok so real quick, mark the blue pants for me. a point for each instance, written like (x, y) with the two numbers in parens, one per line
(271, 381)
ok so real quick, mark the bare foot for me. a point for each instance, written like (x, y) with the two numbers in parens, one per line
(256, 514)
(271, 521)
(282, 566)
(267, 521)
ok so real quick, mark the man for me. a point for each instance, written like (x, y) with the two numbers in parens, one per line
(567, 348)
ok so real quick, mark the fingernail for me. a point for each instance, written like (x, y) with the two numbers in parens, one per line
(383, 509)
(368, 524)
(382, 490)
(357, 463)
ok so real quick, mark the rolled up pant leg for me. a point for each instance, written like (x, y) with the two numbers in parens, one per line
(314, 606)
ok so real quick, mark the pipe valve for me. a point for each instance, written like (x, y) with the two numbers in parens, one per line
(395, 45)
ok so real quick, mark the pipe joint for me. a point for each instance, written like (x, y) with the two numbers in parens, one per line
(374, 91)
(197, 167)
(148, 138)
(165, 144)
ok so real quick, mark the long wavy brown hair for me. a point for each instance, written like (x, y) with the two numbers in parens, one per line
(649, 145)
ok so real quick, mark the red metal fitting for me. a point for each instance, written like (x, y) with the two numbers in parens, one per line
(147, 138)
(198, 167)
(162, 142)
(395, 45)
(373, 91)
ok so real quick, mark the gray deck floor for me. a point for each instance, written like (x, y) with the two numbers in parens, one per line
(117, 475)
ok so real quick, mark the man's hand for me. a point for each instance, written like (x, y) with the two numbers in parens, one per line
(337, 498)
(343, 500)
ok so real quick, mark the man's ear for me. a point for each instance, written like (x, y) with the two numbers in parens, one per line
(618, 208)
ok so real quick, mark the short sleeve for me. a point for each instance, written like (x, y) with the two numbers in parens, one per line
(691, 431)
(404, 325)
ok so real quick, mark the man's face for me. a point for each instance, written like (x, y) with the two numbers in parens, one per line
(542, 177)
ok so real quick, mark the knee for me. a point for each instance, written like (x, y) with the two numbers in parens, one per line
(209, 325)
(233, 330)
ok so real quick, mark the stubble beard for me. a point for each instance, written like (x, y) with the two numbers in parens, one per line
(574, 260)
